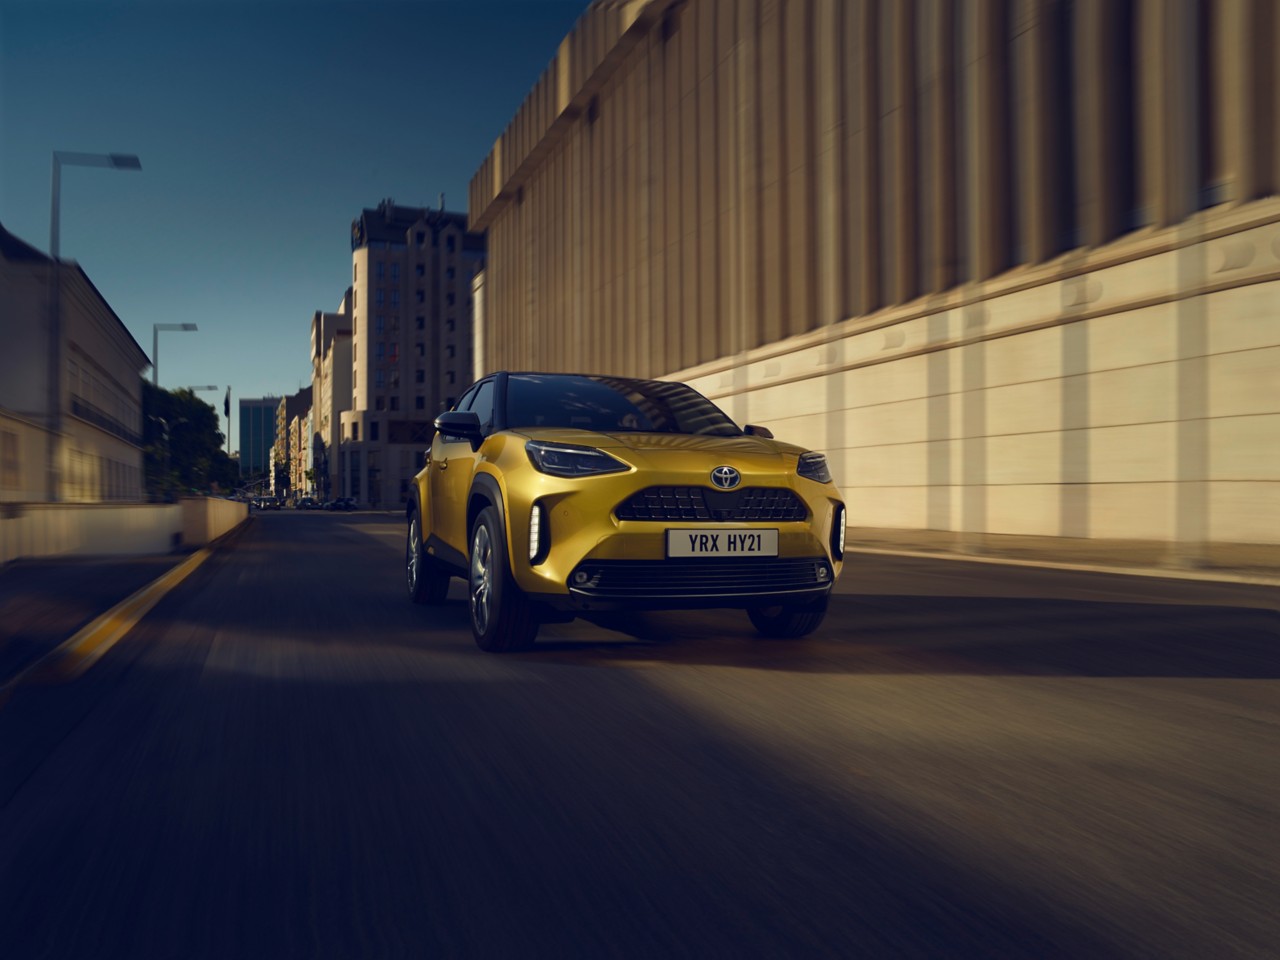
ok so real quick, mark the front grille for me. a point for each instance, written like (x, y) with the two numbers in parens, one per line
(700, 577)
(707, 505)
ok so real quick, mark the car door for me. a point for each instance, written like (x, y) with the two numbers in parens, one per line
(452, 466)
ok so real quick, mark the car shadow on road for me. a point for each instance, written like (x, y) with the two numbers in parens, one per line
(952, 635)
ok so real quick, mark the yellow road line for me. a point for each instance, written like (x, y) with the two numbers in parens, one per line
(75, 655)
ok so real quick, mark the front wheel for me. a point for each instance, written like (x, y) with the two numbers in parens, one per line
(427, 581)
(788, 621)
(502, 617)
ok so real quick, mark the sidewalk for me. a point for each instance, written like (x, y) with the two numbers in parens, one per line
(1233, 563)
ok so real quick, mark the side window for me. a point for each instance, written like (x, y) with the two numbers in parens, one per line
(482, 405)
(465, 402)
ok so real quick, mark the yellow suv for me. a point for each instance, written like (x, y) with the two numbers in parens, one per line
(556, 495)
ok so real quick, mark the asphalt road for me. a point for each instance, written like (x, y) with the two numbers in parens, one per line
(288, 759)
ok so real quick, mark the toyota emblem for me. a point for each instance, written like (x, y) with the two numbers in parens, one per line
(726, 478)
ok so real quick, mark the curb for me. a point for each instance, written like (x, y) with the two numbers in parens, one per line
(79, 652)
(75, 655)
(1162, 573)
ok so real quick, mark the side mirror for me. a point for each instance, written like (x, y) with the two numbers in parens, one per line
(460, 425)
(753, 430)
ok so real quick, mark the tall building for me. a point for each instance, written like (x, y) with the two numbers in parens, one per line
(1012, 263)
(257, 435)
(70, 429)
(330, 391)
(291, 413)
(411, 274)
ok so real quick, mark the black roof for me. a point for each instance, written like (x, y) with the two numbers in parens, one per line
(391, 223)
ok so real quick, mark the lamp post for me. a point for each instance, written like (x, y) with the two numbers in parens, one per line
(114, 161)
(155, 345)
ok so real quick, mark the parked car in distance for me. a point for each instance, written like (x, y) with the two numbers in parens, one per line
(555, 495)
(342, 503)
(308, 503)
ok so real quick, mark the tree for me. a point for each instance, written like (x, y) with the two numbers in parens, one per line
(182, 445)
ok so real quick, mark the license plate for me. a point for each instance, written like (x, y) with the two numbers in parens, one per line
(722, 543)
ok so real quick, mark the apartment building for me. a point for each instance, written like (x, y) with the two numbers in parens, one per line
(330, 392)
(1014, 264)
(290, 411)
(70, 412)
(411, 342)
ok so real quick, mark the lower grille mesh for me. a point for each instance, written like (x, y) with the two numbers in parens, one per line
(720, 576)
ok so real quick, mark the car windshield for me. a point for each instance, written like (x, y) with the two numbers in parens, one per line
(613, 405)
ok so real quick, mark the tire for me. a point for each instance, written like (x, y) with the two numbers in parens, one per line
(427, 581)
(788, 621)
(503, 619)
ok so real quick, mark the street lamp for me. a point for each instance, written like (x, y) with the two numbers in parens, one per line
(115, 161)
(155, 345)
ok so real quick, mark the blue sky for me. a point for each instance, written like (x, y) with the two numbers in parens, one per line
(264, 128)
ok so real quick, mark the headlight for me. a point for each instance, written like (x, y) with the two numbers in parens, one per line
(813, 466)
(566, 460)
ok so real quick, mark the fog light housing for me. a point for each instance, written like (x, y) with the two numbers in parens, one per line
(837, 532)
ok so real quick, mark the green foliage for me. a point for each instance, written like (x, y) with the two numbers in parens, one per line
(182, 445)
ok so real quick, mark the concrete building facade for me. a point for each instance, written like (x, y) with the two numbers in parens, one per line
(411, 342)
(290, 412)
(330, 392)
(86, 448)
(1013, 264)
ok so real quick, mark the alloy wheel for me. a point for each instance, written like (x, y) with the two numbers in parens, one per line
(481, 581)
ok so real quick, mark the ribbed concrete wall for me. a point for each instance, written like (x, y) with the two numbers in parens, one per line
(1014, 263)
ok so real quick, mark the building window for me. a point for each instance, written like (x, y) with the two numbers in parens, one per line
(450, 351)
(420, 270)
(449, 325)
(373, 430)
(381, 325)
(450, 244)
(381, 379)
(421, 297)
(449, 298)
(382, 298)
(419, 376)
(422, 238)
(419, 403)
(395, 298)
(355, 272)
(382, 268)
(452, 379)
(382, 351)
(355, 432)
(395, 273)
(422, 350)
(395, 403)
(393, 352)
(379, 403)
(420, 322)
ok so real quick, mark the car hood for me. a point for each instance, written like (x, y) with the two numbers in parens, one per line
(743, 446)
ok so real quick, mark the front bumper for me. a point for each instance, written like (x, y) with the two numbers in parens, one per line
(695, 583)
